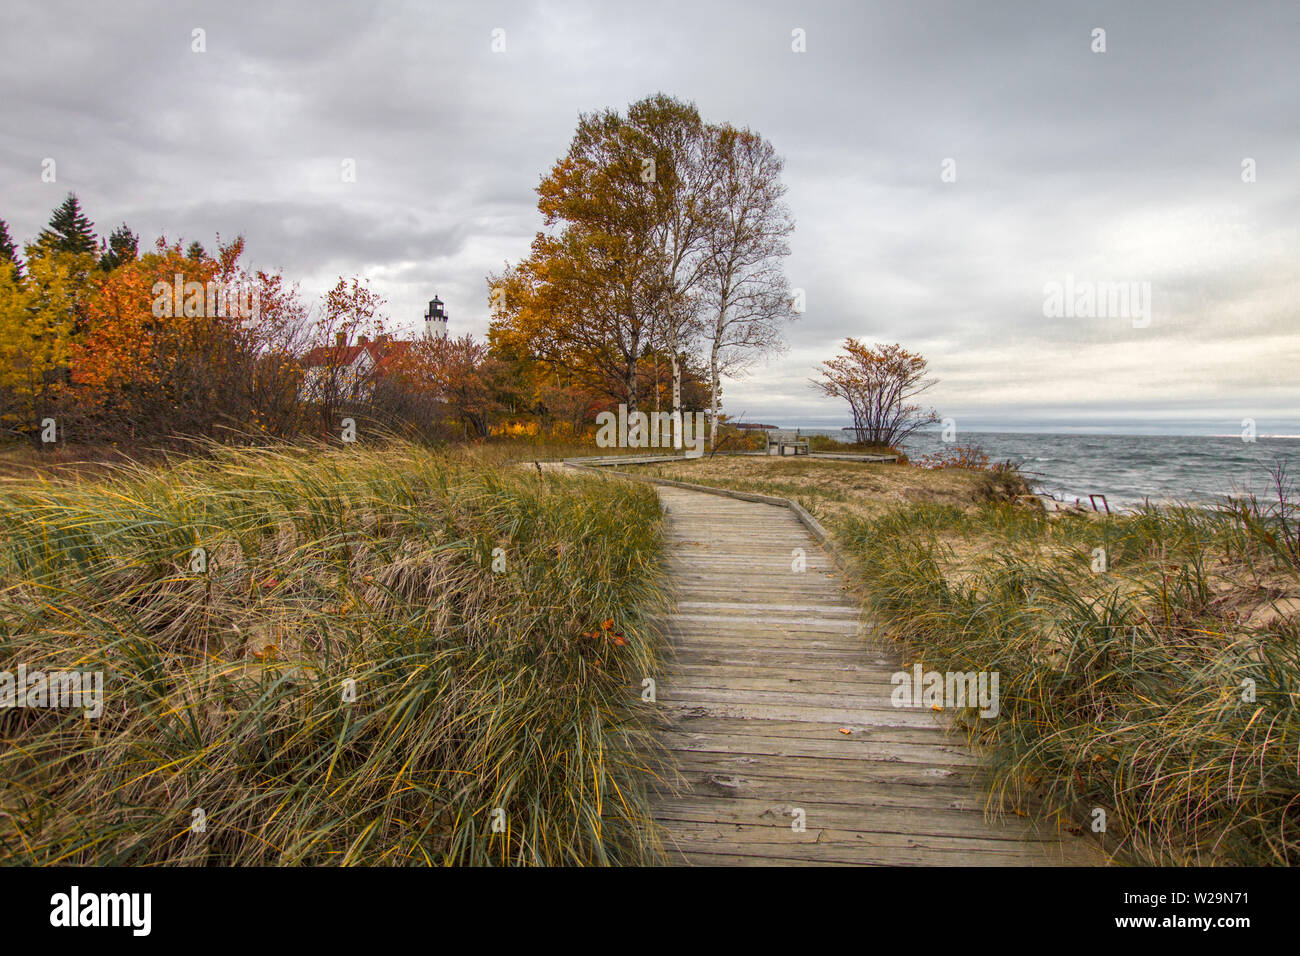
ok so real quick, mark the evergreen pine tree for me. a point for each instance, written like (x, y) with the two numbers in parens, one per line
(69, 229)
(9, 252)
(195, 251)
(122, 246)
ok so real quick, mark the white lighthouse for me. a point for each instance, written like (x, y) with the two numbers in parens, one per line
(435, 320)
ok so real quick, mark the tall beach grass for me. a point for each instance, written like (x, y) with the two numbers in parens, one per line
(1149, 664)
(379, 656)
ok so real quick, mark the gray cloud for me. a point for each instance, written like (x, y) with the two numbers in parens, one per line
(1121, 166)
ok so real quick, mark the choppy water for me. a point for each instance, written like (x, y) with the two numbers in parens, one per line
(1129, 468)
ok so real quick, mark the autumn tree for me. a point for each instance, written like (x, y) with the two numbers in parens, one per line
(209, 357)
(455, 382)
(466, 376)
(280, 337)
(680, 184)
(599, 279)
(532, 391)
(127, 363)
(568, 409)
(229, 364)
(635, 188)
(575, 304)
(338, 374)
(41, 312)
(667, 232)
(616, 276)
(880, 384)
(37, 315)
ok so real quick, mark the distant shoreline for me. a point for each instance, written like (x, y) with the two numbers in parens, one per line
(834, 432)
(1129, 469)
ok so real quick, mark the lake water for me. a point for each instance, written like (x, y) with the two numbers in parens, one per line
(1127, 468)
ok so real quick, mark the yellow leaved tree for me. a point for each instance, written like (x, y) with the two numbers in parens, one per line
(37, 320)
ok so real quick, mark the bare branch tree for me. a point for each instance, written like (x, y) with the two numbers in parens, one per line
(679, 181)
(747, 296)
(879, 384)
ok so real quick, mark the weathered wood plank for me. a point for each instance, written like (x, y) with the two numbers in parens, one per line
(861, 797)
(936, 821)
(841, 716)
(795, 731)
(846, 748)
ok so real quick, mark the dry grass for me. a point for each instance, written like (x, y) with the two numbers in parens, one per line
(831, 490)
(475, 688)
(1164, 689)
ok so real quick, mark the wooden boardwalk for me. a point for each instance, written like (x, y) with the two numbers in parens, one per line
(769, 665)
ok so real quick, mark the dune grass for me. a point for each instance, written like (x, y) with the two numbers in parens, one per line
(830, 489)
(1149, 664)
(340, 675)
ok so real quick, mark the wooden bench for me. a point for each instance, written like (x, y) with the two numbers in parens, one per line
(785, 442)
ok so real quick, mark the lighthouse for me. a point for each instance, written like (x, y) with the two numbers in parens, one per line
(435, 320)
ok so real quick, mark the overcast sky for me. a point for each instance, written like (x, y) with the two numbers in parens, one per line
(1123, 166)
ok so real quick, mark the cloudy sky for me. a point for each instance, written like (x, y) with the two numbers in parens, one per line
(1071, 167)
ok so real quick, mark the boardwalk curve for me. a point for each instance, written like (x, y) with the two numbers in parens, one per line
(768, 667)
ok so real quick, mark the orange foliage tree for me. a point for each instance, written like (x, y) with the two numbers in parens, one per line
(182, 344)
(459, 380)
(880, 384)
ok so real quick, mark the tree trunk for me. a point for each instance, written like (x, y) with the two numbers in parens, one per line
(677, 388)
(713, 396)
(656, 364)
(677, 401)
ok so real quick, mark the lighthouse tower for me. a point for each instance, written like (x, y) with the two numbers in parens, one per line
(435, 320)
